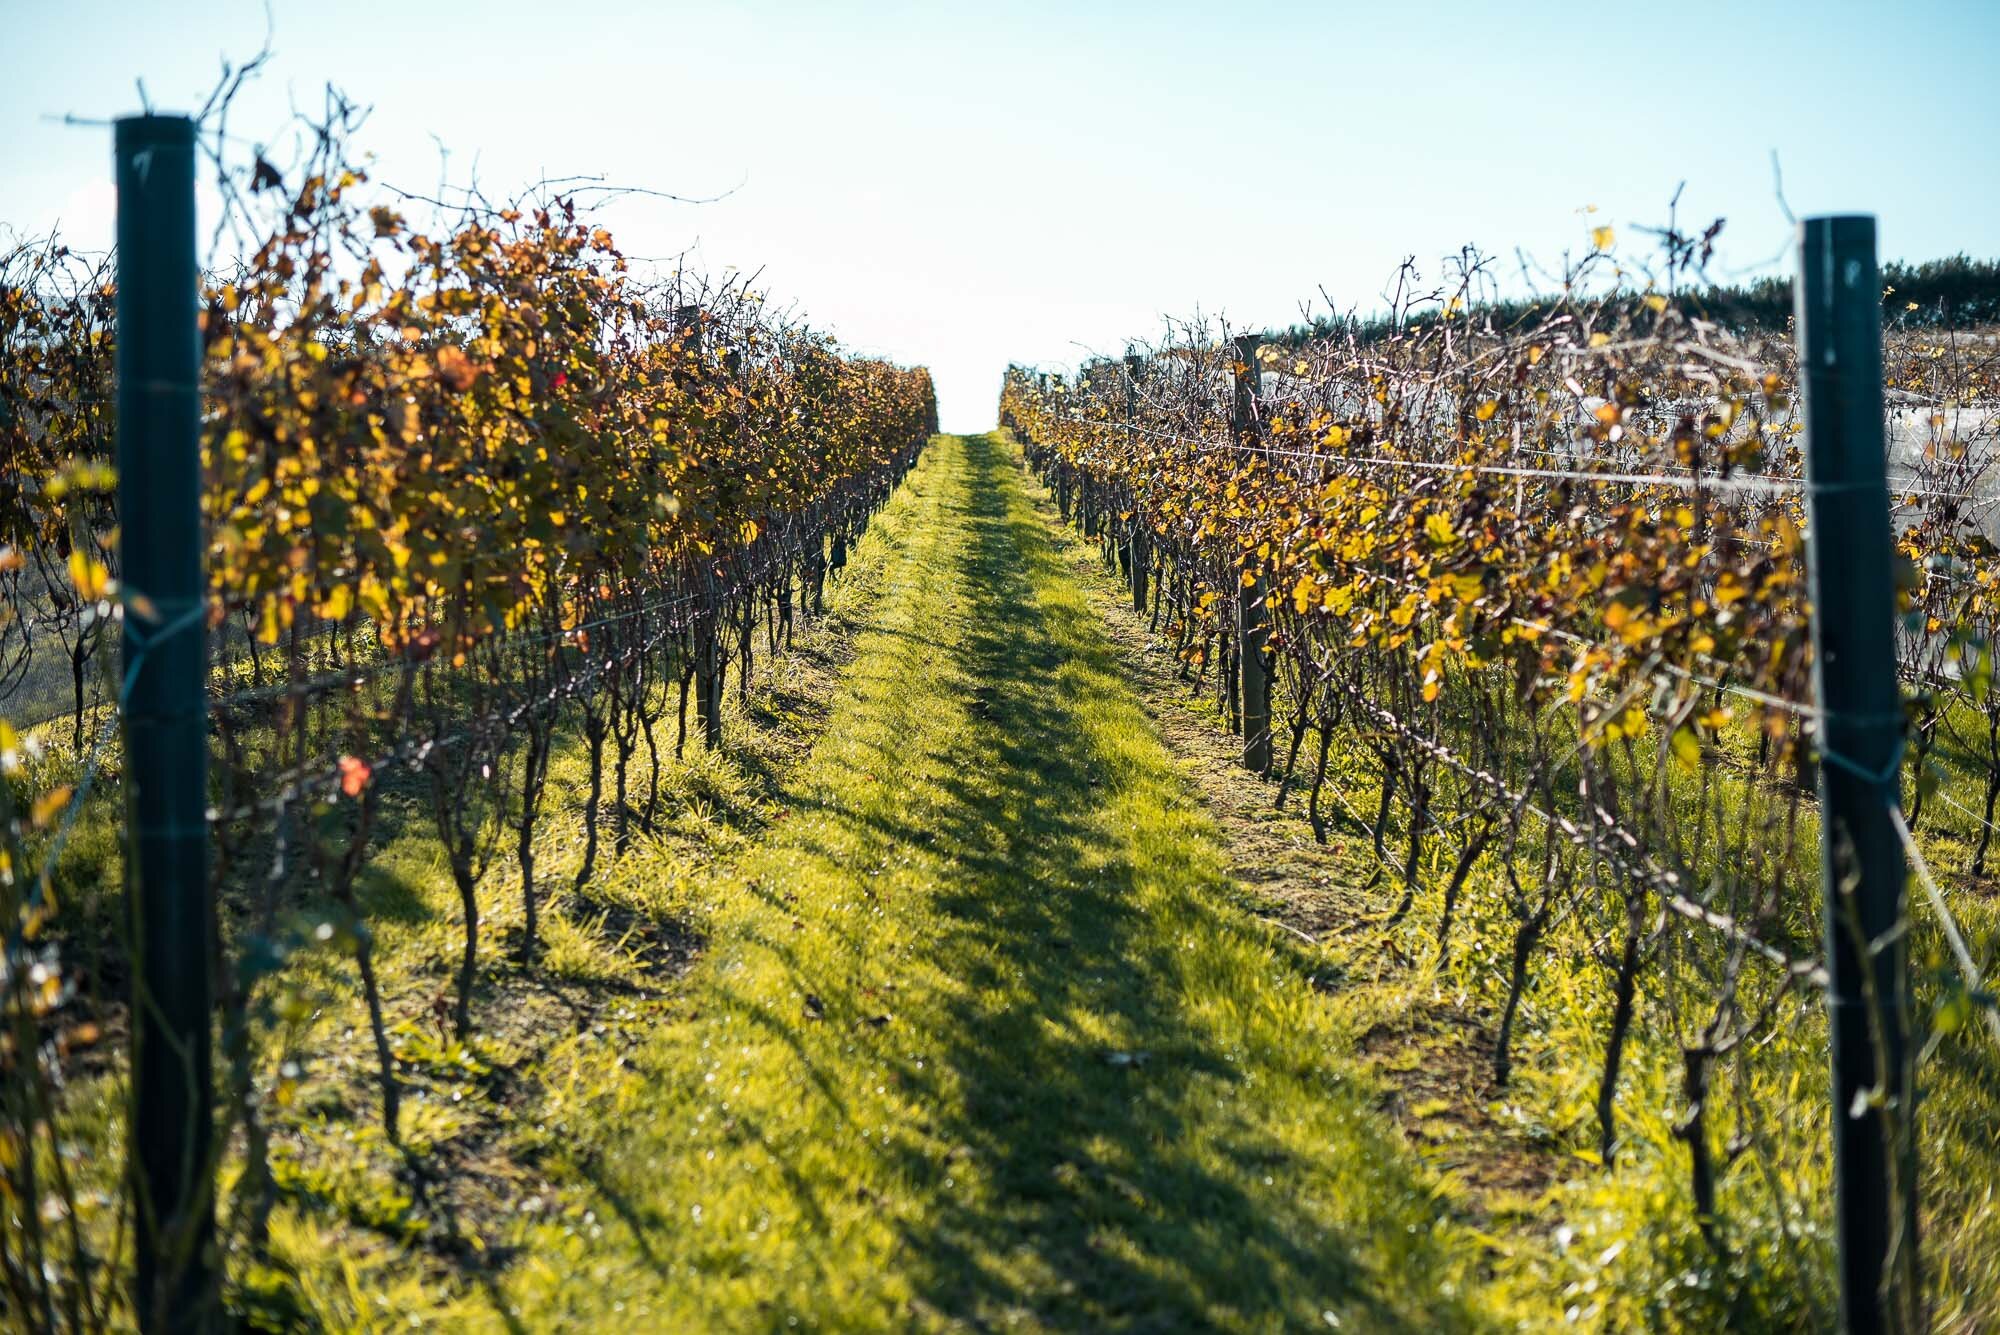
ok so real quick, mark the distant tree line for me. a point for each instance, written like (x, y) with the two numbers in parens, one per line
(1951, 293)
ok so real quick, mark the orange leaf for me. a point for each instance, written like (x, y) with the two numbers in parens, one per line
(354, 775)
(456, 369)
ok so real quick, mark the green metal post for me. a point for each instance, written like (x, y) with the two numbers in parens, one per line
(1860, 737)
(166, 724)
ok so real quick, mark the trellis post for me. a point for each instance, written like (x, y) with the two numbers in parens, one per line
(708, 666)
(165, 717)
(1252, 616)
(1141, 552)
(1860, 722)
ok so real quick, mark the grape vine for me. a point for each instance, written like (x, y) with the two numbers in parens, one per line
(471, 476)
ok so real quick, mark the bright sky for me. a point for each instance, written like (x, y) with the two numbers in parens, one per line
(966, 185)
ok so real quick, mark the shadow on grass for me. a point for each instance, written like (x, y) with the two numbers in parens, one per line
(1070, 1066)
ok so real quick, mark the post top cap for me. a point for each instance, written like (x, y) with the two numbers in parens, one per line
(1838, 224)
(154, 128)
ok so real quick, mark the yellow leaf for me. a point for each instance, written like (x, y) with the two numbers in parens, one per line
(1602, 237)
(48, 806)
(90, 575)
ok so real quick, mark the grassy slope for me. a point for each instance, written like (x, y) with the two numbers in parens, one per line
(977, 1037)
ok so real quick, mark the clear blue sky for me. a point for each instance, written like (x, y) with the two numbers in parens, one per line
(965, 185)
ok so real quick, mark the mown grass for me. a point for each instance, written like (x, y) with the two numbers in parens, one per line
(977, 1039)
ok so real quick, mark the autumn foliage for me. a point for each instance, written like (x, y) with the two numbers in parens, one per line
(468, 477)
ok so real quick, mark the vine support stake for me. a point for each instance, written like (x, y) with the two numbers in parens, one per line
(708, 668)
(1252, 613)
(1141, 556)
(690, 326)
(1253, 633)
(1860, 724)
(165, 716)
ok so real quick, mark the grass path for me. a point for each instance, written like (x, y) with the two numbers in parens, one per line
(980, 1039)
